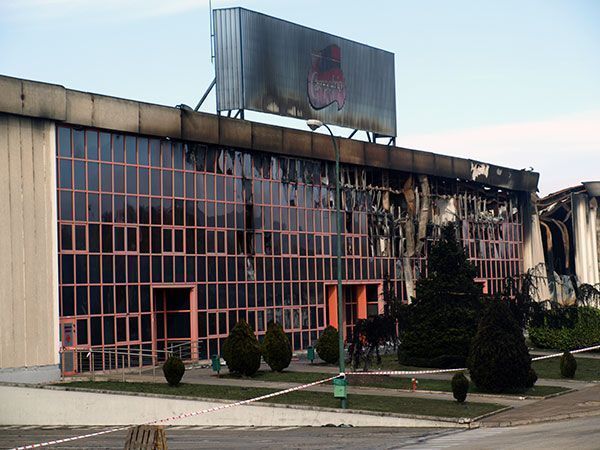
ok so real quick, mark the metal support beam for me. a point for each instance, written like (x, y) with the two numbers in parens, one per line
(212, 85)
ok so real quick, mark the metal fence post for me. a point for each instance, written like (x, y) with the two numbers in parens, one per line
(123, 366)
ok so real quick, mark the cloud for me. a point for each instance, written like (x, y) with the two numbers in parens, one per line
(564, 150)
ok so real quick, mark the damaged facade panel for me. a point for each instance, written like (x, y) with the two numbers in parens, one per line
(389, 220)
(569, 227)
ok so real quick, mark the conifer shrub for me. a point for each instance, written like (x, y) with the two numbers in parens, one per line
(499, 360)
(437, 328)
(460, 387)
(531, 378)
(568, 365)
(173, 370)
(328, 346)
(241, 350)
(276, 348)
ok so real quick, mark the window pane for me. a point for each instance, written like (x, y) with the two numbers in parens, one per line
(82, 300)
(131, 180)
(64, 141)
(80, 206)
(78, 144)
(66, 242)
(108, 300)
(119, 178)
(66, 206)
(93, 208)
(143, 181)
(92, 144)
(80, 243)
(119, 208)
(167, 155)
(109, 331)
(92, 174)
(105, 148)
(65, 173)
(130, 149)
(107, 240)
(121, 329)
(68, 301)
(143, 151)
(131, 239)
(95, 303)
(106, 177)
(118, 148)
(119, 239)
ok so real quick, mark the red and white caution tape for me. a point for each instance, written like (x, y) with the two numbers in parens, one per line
(70, 439)
(180, 416)
(274, 394)
(406, 372)
(554, 355)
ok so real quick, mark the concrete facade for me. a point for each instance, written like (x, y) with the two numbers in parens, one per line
(28, 245)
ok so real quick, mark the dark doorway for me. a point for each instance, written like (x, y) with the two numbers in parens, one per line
(176, 329)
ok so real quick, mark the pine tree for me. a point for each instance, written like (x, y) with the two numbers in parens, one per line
(241, 350)
(499, 360)
(277, 350)
(441, 322)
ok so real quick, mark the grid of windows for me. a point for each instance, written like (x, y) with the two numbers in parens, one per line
(253, 232)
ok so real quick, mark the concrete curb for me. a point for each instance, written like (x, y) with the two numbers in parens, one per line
(516, 423)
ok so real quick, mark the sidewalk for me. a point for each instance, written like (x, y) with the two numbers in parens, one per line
(582, 403)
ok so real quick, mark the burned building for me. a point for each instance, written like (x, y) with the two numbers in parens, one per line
(570, 230)
(131, 229)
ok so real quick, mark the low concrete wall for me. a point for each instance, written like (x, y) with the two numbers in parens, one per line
(33, 375)
(22, 405)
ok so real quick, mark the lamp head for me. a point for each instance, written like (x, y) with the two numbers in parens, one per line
(313, 124)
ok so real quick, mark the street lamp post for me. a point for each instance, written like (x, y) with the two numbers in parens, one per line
(313, 124)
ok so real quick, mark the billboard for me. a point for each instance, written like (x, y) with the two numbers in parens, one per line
(270, 65)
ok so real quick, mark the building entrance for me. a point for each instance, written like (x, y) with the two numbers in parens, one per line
(359, 302)
(176, 322)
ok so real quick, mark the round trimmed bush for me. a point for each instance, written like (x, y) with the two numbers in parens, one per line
(499, 360)
(328, 346)
(568, 365)
(460, 387)
(531, 378)
(277, 351)
(241, 350)
(173, 369)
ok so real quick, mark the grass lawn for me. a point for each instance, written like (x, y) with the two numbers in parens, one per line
(588, 369)
(401, 405)
(386, 382)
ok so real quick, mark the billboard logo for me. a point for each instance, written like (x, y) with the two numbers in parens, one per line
(326, 83)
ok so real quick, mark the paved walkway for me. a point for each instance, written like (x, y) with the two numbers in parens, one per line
(582, 403)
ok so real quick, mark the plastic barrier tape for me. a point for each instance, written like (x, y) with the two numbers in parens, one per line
(275, 394)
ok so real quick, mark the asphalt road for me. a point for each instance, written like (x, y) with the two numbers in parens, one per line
(581, 434)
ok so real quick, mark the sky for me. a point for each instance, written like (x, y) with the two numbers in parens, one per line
(511, 82)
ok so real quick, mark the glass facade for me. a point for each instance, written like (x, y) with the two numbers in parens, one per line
(145, 224)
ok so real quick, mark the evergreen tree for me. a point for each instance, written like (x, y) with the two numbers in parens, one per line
(277, 350)
(439, 325)
(328, 345)
(241, 350)
(499, 359)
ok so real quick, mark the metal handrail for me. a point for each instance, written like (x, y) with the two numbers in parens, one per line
(119, 358)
